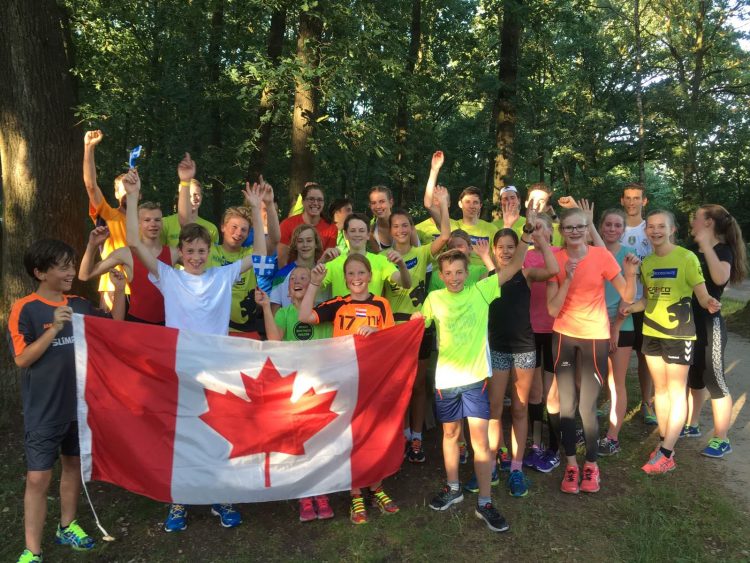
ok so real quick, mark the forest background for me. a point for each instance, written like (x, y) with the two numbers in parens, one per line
(585, 95)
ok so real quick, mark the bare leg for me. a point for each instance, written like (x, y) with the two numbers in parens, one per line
(522, 380)
(618, 390)
(480, 444)
(451, 432)
(35, 507)
(722, 409)
(496, 389)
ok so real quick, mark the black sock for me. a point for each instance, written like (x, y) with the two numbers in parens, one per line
(536, 415)
(665, 451)
(553, 420)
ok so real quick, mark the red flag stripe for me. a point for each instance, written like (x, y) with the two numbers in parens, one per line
(377, 422)
(131, 392)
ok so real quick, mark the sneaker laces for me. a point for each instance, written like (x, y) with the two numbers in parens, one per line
(416, 445)
(571, 474)
(226, 508)
(588, 473)
(358, 505)
(715, 443)
(382, 498)
(75, 529)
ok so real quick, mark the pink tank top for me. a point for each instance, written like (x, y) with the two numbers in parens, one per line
(541, 321)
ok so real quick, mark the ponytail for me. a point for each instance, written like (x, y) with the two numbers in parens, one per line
(726, 227)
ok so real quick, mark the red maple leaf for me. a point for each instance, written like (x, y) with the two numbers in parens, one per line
(269, 421)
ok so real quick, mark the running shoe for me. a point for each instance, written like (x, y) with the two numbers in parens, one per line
(491, 517)
(446, 498)
(323, 507)
(649, 416)
(472, 485)
(307, 510)
(503, 459)
(463, 453)
(591, 478)
(28, 557)
(518, 484)
(358, 512)
(570, 480)
(382, 501)
(532, 458)
(691, 432)
(415, 453)
(717, 448)
(550, 460)
(74, 536)
(176, 519)
(659, 464)
(608, 447)
(228, 516)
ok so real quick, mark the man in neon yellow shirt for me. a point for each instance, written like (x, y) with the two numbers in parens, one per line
(170, 226)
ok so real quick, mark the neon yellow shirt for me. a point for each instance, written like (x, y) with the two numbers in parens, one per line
(427, 231)
(481, 231)
(170, 230)
(461, 323)
(405, 301)
(475, 274)
(382, 270)
(669, 281)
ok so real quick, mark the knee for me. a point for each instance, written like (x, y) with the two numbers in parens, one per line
(519, 409)
(38, 480)
(451, 433)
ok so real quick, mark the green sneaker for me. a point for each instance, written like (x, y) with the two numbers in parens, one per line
(74, 536)
(28, 557)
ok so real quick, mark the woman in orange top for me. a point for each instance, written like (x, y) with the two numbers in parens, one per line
(360, 313)
(575, 297)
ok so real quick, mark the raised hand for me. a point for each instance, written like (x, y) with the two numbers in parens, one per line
(329, 254)
(440, 195)
(92, 138)
(588, 209)
(131, 182)
(98, 236)
(537, 236)
(567, 202)
(511, 213)
(266, 191)
(261, 297)
(252, 194)
(61, 316)
(186, 168)
(437, 160)
(703, 238)
(118, 279)
(395, 257)
(630, 264)
(317, 274)
(481, 248)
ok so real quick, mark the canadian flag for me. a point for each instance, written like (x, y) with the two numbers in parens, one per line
(198, 419)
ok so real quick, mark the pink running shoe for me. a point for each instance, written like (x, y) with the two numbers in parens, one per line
(570, 480)
(591, 479)
(659, 464)
(307, 510)
(324, 508)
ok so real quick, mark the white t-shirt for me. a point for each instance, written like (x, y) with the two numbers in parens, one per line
(198, 303)
(635, 238)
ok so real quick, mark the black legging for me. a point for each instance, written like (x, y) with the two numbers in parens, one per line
(594, 372)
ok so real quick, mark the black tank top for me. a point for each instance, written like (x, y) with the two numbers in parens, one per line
(509, 323)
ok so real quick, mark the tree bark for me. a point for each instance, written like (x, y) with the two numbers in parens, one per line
(510, 39)
(214, 73)
(305, 101)
(639, 92)
(267, 107)
(402, 113)
(41, 148)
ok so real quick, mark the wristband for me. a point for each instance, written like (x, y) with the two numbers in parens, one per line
(528, 230)
(184, 183)
(527, 242)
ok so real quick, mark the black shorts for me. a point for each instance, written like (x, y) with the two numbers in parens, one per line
(672, 351)
(544, 351)
(637, 331)
(44, 445)
(626, 338)
(428, 344)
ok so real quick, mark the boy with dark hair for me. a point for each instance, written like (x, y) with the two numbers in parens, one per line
(460, 314)
(41, 339)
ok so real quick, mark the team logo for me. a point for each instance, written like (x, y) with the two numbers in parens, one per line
(360, 313)
(411, 263)
(664, 273)
(631, 240)
(303, 331)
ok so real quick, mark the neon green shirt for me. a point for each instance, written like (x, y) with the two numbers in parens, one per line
(295, 331)
(481, 231)
(475, 274)
(170, 230)
(242, 317)
(461, 323)
(427, 231)
(382, 270)
(405, 301)
(669, 281)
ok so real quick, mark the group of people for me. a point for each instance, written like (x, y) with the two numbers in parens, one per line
(542, 307)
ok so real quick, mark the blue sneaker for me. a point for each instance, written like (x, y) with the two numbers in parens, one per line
(532, 458)
(548, 461)
(176, 519)
(472, 485)
(518, 484)
(649, 415)
(228, 516)
(463, 453)
(717, 448)
(690, 431)
(74, 536)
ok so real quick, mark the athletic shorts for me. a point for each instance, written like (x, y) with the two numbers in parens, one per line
(544, 351)
(428, 343)
(626, 338)
(457, 403)
(638, 330)
(707, 371)
(506, 360)
(672, 351)
(44, 445)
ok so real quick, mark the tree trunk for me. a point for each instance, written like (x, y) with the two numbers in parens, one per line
(639, 92)
(510, 38)
(305, 101)
(267, 106)
(214, 73)
(402, 113)
(41, 149)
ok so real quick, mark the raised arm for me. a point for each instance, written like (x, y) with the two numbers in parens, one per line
(443, 199)
(186, 171)
(482, 249)
(437, 162)
(306, 315)
(90, 140)
(252, 200)
(120, 257)
(132, 184)
(273, 331)
(524, 241)
(118, 302)
(402, 277)
(556, 293)
(718, 270)
(272, 214)
(625, 283)
(588, 208)
(551, 267)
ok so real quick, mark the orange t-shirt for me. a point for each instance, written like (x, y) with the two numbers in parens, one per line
(584, 313)
(348, 315)
(115, 220)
